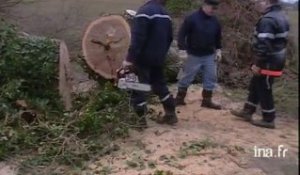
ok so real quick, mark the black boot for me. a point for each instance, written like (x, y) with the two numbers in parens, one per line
(170, 116)
(246, 113)
(207, 100)
(264, 124)
(180, 96)
(141, 112)
(267, 121)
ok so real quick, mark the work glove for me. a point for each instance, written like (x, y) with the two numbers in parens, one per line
(182, 55)
(255, 70)
(126, 64)
(218, 55)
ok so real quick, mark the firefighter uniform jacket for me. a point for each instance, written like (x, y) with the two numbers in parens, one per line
(152, 35)
(270, 41)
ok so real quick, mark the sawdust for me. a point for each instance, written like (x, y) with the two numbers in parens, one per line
(176, 148)
(6, 169)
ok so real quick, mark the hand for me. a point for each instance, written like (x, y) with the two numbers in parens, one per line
(218, 55)
(255, 69)
(182, 54)
(128, 65)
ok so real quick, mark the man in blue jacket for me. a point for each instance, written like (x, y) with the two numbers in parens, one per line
(200, 37)
(151, 39)
(269, 46)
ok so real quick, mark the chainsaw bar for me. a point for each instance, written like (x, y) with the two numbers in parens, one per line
(138, 86)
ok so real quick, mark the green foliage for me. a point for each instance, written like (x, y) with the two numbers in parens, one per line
(105, 112)
(177, 7)
(28, 70)
(161, 172)
(196, 147)
(72, 138)
(171, 73)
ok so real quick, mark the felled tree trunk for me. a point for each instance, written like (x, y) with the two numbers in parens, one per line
(60, 87)
(173, 63)
(65, 76)
(105, 45)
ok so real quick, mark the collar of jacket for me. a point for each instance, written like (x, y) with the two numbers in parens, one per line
(273, 7)
(155, 2)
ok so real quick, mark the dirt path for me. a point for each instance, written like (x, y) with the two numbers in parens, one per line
(204, 142)
(6, 169)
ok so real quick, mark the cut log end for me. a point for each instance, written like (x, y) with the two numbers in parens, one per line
(105, 44)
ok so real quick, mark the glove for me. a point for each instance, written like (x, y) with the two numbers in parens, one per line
(218, 55)
(255, 69)
(129, 66)
(126, 64)
(182, 54)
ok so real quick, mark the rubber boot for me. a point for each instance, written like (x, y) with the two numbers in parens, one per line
(246, 113)
(170, 116)
(207, 100)
(179, 100)
(141, 112)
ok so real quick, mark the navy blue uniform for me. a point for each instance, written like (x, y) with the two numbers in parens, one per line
(151, 39)
(270, 41)
(269, 47)
(151, 35)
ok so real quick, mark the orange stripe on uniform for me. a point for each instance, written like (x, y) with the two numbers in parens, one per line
(271, 72)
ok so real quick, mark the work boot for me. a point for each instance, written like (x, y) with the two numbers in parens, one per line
(170, 116)
(179, 100)
(207, 100)
(264, 124)
(142, 122)
(242, 114)
(246, 113)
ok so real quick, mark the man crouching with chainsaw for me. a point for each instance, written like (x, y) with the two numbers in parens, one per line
(150, 42)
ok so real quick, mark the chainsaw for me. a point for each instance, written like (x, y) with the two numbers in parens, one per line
(128, 80)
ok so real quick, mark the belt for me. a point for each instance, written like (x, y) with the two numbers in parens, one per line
(271, 72)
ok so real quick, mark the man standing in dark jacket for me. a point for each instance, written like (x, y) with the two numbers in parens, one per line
(200, 37)
(151, 39)
(269, 46)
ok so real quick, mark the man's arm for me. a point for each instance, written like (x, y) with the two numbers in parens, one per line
(219, 37)
(265, 36)
(139, 36)
(183, 31)
(171, 35)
